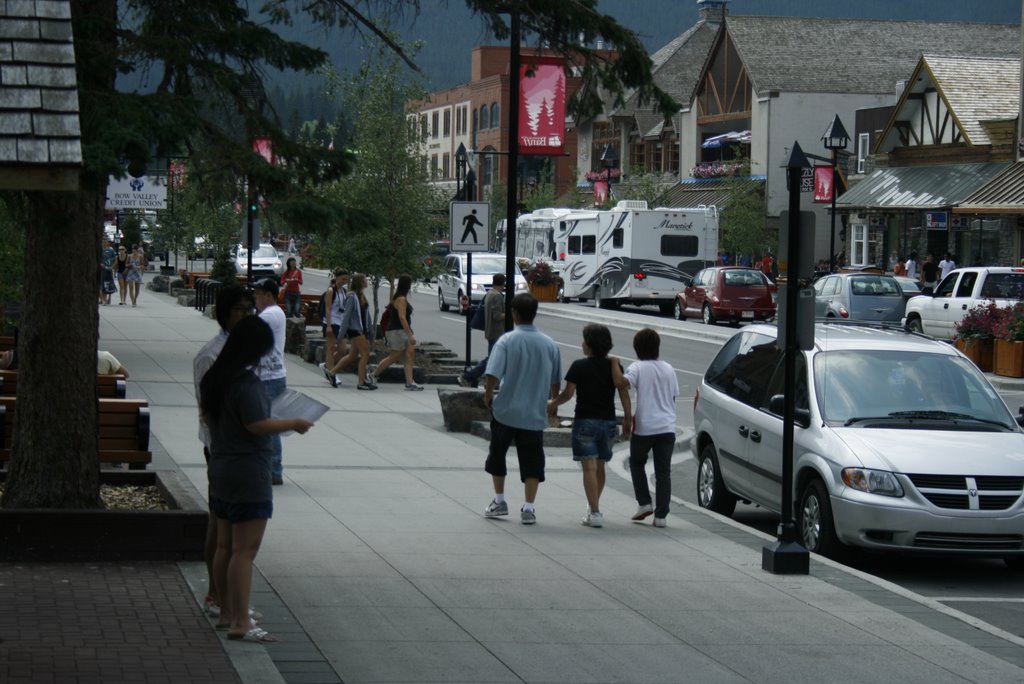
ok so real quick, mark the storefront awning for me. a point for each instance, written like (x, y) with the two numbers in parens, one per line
(1004, 194)
(708, 192)
(919, 187)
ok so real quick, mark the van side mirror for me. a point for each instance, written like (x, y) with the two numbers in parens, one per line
(802, 416)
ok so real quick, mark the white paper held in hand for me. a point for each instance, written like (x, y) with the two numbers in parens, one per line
(291, 404)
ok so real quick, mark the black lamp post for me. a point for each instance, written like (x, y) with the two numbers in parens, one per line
(461, 159)
(835, 138)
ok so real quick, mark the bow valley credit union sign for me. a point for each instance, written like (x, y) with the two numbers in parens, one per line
(144, 192)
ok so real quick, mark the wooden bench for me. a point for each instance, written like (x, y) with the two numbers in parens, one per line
(110, 386)
(123, 431)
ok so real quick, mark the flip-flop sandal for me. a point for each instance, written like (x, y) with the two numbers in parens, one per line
(256, 634)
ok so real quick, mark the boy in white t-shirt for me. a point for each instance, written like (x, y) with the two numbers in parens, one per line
(654, 424)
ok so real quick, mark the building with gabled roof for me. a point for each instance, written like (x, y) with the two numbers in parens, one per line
(951, 133)
(785, 78)
(40, 135)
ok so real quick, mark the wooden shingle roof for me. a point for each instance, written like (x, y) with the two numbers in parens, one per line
(977, 89)
(39, 126)
(828, 55)
(675, 68)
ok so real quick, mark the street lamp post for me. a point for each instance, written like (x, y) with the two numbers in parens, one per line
(835, 138)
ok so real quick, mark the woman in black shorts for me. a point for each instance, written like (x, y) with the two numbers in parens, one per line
(236, 407)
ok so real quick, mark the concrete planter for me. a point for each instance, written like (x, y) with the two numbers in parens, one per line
(103, 535)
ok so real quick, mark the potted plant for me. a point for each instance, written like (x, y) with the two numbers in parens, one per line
(543, 282)
(1008, 357)
(975, 334)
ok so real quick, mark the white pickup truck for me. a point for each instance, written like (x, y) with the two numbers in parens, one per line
(938, 313)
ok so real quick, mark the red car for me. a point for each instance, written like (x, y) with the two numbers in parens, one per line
(727, 293)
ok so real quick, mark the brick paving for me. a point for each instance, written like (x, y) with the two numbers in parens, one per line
(97, 623)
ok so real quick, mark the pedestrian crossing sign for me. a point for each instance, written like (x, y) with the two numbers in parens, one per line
(470, 226)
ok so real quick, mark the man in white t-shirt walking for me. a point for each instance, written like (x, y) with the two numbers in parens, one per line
(946, 266)
(271, 369)
(654, 424)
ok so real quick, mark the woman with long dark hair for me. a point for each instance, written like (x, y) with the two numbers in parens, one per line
(355, 325)
(236, 407)
(400, 339)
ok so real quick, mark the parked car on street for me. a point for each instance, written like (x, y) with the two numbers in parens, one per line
(265, 261)
(911, 287)
(451, 283)
(859, 297)
(937, 313)
(900, 443)
(727, 293)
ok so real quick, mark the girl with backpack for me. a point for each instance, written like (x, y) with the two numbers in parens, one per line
(334, 308)
(398, 332)
(356, 326)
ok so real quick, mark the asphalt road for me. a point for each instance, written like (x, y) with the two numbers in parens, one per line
(984, 588)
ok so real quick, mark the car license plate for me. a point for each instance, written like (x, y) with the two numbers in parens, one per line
(748, 314)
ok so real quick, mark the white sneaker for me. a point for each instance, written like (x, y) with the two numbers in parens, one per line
(642, 512)
(659, 522)
(593, 519)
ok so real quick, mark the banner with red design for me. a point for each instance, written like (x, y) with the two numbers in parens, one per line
(822, 184)
(541, 106)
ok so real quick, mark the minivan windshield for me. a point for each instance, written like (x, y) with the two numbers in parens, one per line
(488, 265)
(854, 385)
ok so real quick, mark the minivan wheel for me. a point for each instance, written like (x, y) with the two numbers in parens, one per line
(440, 300)
(711, 491)
(817, 531)
(709, 318)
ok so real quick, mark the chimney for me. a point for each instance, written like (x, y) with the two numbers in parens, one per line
(713, 11)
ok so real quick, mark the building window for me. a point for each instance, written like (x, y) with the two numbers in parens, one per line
(472, 141)
(447, 122)
(863, 150)
(673, 157)
(859, 245)
(483, 117)
(424, 129)
(637, 159)
(487, 168)
(433, 166)
(435, 128)
(445, 166)
(495, 118)
(656, 157)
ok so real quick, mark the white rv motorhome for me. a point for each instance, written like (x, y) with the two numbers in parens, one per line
(537, 234)
(632, 254)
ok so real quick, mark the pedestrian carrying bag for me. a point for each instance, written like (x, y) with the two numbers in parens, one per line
(384, 318)
(479, 318)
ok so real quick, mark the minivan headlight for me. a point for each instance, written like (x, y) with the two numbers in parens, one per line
(872, 481)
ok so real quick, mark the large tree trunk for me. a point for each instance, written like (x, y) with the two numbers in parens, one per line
(55, 463)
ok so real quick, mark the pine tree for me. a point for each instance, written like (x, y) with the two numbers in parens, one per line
(205, 62)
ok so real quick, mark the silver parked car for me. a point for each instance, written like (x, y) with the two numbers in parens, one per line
(451, 283)
(266, 261)
(859, 297)
(901, 444)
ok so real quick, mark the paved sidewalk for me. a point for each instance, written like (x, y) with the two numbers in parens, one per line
(378, 566)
